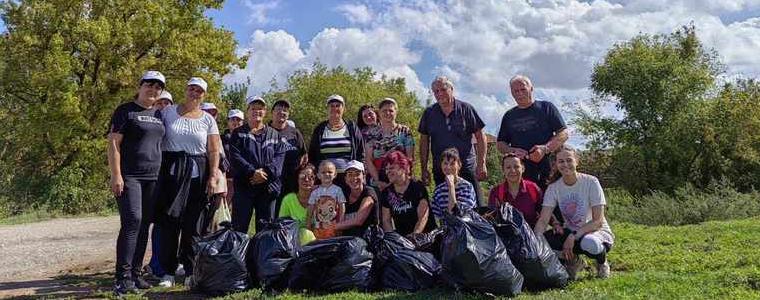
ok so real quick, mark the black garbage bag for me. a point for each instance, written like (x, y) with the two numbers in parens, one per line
(474, 258)
(397, 265)
(531, 255)
(274, 248)
(428, 242)
(332, 265)
(410, 271)
(220, 262)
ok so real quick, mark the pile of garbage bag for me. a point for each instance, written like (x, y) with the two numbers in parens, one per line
(220, 262)
(397, 266)
(273, 248)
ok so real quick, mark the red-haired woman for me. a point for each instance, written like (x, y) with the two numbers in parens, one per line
(405, 202)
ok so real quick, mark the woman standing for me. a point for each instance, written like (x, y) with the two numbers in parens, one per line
(192, 146)
(257, 152)
(336, 140)
(134, 159)
(366, 120)
(581, 201)
(387, 137)
(405, 202)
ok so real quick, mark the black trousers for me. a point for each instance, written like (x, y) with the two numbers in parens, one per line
(466, 173)
(136, 208)
(246, 201)
(557, 241)
(177, 235)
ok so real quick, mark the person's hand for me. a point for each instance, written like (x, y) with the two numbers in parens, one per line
(425, 176)
(482, 172)
(259, 176)
(117, 185)
(537, 153)
(519, 152)
(567, 248)
(451, 181)
(213, 181)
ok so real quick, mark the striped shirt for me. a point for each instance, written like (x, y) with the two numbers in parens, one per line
(336, 147)
(465, 195)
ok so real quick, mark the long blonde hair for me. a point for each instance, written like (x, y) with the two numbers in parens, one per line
(555, 174)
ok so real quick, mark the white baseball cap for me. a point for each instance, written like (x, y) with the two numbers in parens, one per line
(166, 95)
(355, 164)
(235, 113)
(336, 97)
(199, 82)
(153, 75)
(252, 99)
(208, 106)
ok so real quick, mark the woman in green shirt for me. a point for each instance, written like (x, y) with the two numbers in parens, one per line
(294, 205)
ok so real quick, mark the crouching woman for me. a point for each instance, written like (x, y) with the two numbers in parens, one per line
(581, 201)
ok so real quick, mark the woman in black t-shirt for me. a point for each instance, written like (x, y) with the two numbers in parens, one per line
(405, 201)
(134, 159)
(360, 202)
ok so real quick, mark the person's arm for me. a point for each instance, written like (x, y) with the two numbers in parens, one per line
(481, 149)
(424, 150)
(543, 220)
(387, 220)
(212, 152)
(557, 140)
(364, 210)
(369, 156)
(313, 150)
(114, 162)
(450, 181)
(504, 148)
(423, 213)
(597, 218)
(409, 151)
(310, 217)
(341, 211)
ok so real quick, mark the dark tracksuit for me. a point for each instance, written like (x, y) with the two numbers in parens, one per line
(357, 148)
(249, 152)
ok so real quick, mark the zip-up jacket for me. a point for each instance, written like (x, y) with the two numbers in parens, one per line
(247, 154)
(357, 142)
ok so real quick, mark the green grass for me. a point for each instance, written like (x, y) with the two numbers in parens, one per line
(713, 260)
(44, 215)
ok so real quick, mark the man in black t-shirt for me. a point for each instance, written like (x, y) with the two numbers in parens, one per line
(532, 130)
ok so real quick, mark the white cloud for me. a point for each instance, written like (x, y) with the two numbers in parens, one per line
(274, 55)
(260, 11)
(356, 13)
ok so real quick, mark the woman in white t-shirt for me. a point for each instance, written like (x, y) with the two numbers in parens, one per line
(191, 150)
(581, 201)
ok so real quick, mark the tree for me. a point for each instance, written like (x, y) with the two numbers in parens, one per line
(67, 64)
(307, 91)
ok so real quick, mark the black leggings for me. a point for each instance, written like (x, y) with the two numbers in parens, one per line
(136, 207)
(178, 234)
(557, 241)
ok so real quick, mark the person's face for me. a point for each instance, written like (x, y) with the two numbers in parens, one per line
(388, 113)
(369, 116)
(354, 179)
(150, 90)
(513, 169)
(443, 93)
(566, 163)
(194, 93)
(162, 103)
(327, 173)
(522, 92)
(396, 174)
(450, 167)
(335, 109)
(280, 113)
(256, 112)
(306, 180)
(234, 122)
(212, 112)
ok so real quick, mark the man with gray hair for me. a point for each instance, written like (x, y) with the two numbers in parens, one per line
(448, 123)
(532, 130)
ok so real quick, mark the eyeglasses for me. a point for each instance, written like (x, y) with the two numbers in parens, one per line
(306, 177)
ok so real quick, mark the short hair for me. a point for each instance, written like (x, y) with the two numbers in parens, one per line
(451, 153)
(510, 155)
(522, 78)
(443, 80)
(398, 158)
(360, 118)
(326, 163)
(387, 101)
(306, 167)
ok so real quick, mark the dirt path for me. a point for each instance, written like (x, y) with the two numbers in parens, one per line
(47, 258)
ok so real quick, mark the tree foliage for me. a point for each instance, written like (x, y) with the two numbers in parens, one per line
(67, 64)
(307, 91)
(676, 130)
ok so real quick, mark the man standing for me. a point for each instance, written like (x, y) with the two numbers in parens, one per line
(451, 122)
(295, 156)
(531, 130)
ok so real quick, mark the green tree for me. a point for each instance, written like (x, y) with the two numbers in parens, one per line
(307, 91)
(67, 64)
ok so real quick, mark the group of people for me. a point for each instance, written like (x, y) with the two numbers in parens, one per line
(169, 164)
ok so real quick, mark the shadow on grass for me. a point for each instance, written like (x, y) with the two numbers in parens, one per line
(62, 286)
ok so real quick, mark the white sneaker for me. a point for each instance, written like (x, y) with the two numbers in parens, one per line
(166, 281)
(575, 266)
(189, 282)
(180, 270)
(603, 270)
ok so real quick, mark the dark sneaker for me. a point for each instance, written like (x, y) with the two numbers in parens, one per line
(122, 287)
(140, 283)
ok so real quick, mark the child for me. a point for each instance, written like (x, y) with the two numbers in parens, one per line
(453, 189)
(326, 203)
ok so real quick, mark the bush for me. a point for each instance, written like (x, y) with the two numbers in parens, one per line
(71, 191)
(687, 205)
